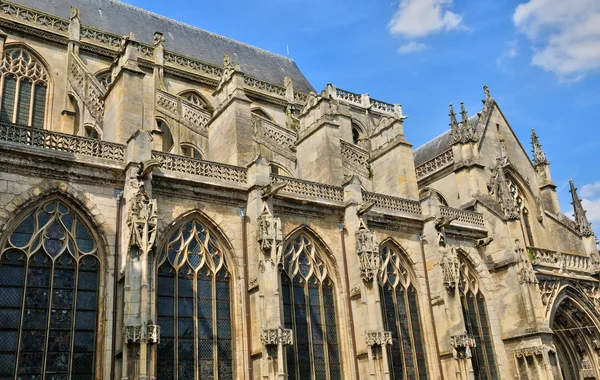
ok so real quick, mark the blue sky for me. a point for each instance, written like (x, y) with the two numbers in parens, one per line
(541, 59)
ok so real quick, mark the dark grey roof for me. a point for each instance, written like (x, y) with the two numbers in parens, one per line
(440, 144)
(120, 18)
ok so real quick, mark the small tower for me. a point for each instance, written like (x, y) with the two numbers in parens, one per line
(583, 225)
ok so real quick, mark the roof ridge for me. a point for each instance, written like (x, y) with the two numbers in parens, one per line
(197, 28)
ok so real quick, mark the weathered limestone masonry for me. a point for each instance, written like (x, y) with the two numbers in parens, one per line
(178, 205)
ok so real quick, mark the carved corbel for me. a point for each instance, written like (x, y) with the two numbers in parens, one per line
(367, 249)
(377, 340)
(462, 345)
(272, 339)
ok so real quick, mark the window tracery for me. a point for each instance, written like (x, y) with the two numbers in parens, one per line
(195, 99)
(49, 273)
(190, 151)
(309, 310)
(477, 324)
(400, 309)
(24, 88)
(105, 78)
(194, 306)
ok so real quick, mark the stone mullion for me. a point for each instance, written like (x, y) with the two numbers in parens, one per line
(48, 314)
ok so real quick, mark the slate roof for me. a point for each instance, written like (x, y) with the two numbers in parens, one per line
(440, 144)
(120, 18)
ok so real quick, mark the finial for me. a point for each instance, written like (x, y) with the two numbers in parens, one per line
(539, 157)
(463, 113)
(584, 226)
(486, 90)
(453, 122)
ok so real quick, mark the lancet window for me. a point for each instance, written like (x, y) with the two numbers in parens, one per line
(309, 310)
(24, 88)
(400, 309)
(477, 324)
(49, 273)
(194, 306)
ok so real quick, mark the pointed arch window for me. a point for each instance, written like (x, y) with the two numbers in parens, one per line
(194, 306)
(49, 273)
(24, 88)
(477, 324)
(400, 309)
(309, 310)
(261, 113)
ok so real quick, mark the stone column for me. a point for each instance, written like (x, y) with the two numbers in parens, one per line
(139, 227)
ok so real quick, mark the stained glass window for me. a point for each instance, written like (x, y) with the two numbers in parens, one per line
(477, 324)
(48, 296)
(24, 88)
(309, 310)
(406, 355)
(194, 306)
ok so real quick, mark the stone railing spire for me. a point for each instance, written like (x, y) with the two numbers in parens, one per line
(583, 224)
(539, 157)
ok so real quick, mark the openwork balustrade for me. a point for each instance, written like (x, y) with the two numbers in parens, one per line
(99, 37)
(185, 110)
(87, 87)
(309, 189)
(267, 131)
(264, 86)
(560, 260)
(393, 203)
(30, 16)
(203, 168)
(437, 163)
(348, 96)
(382, 106)
(191, 63)
(463, 216)
(61, 142)
(354, 157)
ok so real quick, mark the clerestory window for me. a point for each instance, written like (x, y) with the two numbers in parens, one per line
(477, 324)
(400, 307)
(309, 310)
(24, 88)
(194, 306)
(49, 273)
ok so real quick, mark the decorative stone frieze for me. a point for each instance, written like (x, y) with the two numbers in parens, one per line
(530, 351)
(146, 333)
(462, 345)
(450, 266)
(277, 336)
(367, 249)
(378, 338)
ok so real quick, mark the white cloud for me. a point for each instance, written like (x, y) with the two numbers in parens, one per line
(510, 52)
(418, 18)
(588, 191)
(592, 206)
(411, 47)
(565, 35)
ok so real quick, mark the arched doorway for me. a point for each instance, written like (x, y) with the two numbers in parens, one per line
(576, 338)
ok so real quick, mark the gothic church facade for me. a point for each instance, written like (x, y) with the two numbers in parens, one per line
(178, 205)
